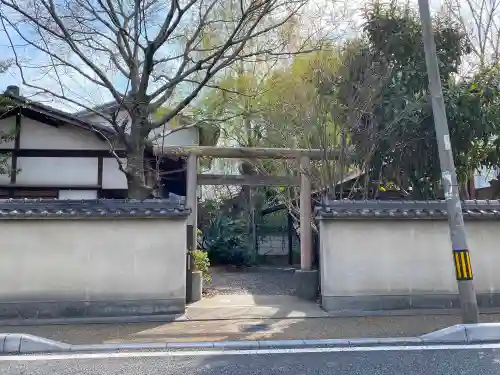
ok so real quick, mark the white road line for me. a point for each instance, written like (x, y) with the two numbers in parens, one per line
(207, 353)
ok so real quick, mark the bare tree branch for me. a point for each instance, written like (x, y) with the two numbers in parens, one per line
(145, 54)
(480, 21)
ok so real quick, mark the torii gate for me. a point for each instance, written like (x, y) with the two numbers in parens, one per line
(308, 278)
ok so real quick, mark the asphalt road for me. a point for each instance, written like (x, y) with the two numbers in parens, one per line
(484, 361)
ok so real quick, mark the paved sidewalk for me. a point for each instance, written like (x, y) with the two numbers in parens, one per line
(245, 329)
(247, 317)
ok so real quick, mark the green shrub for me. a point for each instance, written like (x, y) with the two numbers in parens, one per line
(226, 241)
(202, 263)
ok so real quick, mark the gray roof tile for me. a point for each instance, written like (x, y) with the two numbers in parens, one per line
(89, 209)
(472, 209)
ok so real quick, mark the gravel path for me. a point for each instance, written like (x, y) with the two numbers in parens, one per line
(264, 282)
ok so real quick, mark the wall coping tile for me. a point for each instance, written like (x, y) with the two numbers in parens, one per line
(11, 209)
(413, 210)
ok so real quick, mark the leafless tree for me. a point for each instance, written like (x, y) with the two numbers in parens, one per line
(7, 135)
(480, 20)
(147, 55)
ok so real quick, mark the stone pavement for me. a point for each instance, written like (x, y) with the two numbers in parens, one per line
(248, 306)
(259, 280)
(247, 317)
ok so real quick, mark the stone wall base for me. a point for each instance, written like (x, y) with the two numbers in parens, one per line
(306, 284)
(403, 302)
(91, 310)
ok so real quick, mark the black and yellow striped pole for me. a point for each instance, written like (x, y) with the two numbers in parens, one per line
(463, 266)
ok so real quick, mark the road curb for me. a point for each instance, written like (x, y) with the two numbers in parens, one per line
(450, 335)
(466, 334)
(25, 344)
(482, 333)
(14, 343)
(249, 345)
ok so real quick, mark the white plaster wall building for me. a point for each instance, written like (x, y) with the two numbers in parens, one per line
(67, 156)
(183, 137)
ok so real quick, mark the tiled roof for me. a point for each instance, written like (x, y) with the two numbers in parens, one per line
(482, 209)
(56, 114)
(102, 208)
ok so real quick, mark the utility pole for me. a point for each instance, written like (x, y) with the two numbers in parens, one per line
(463, 267)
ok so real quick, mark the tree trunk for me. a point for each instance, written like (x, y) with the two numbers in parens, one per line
(472, 186)
(135, 174)
(464, 191)
(135, 171)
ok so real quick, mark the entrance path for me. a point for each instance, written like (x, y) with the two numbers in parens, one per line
(252, 293)
(254, 280)
(248, 306)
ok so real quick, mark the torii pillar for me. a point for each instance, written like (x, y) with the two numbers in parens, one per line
(194, 283)
(306, 277)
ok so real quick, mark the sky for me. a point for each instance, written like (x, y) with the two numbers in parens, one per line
(83, 91)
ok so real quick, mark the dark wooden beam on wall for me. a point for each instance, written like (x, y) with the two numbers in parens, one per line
(246, 180)
(36, 153)
(100, 168)
(17, 146)
(47, 187)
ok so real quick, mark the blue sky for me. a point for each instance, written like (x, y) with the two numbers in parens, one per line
(80, 88)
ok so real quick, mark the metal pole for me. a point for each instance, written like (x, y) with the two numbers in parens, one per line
(458, 236)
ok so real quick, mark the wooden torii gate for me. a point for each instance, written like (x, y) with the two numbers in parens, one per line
(303, 157)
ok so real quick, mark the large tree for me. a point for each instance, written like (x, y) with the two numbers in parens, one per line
(473, 109)
(144, 54)
(400, 125)
(371, 95)
(397, 136)
(292, 106)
